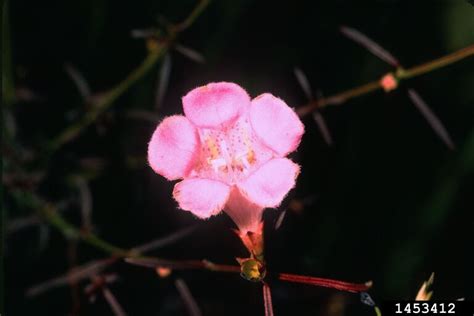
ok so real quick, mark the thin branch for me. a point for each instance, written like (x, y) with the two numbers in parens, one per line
(55, 219)
(182, 264)
(108, 99)
(92, 268)
(155, 263)
(157, 49)
(390, 82)
(85, 271)
(437, 63)
(161, 242)
(401, 74)
(191, 17)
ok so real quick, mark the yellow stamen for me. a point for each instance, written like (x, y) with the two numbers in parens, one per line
(213, 148)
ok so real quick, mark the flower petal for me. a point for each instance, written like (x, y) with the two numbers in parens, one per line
(174, 147)
(276, 124)
(202, 197)
(269, 185)
(215, 104)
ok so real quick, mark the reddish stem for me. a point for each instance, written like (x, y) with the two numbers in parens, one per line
(267, 300)
(329, 283)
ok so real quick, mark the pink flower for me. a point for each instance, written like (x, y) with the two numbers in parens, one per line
(230, 152)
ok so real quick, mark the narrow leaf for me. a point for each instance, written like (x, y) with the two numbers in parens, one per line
(280, 220)
(79, 80)
(432, 119)
(190, 53)
(113, 302)
(85, 196)
(142, 33)
(163, 80)
(188, 299)
(323, 128)
(303, 82)
(370, 45)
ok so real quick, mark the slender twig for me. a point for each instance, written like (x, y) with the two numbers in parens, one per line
(106, 101)
(156, 50)
(161, 242)
(50, 213)
(437, 63)
(191, 17)
(75, 275)
(401, 74)
(390, 82)
(92, 268)
(182, 264)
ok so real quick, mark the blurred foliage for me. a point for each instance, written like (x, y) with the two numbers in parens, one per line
(388, 202)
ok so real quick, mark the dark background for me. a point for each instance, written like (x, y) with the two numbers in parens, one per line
(387, 202)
